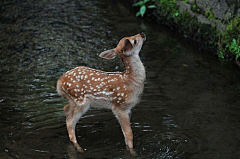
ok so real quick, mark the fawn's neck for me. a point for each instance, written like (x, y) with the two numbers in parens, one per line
(134, 69)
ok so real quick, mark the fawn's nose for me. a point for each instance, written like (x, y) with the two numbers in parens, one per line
(143, 35)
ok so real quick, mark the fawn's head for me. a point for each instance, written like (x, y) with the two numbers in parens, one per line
(126, 47)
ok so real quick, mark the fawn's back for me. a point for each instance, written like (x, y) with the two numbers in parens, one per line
(101, 87)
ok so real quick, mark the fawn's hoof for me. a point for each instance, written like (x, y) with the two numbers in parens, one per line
(133, 152)
(78, 147)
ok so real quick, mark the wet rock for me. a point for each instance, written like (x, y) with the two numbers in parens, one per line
(204, 20)
(220, 9)
(191, 1)
(221, 27)
(205, 5)
(238, 12)
(184, 7)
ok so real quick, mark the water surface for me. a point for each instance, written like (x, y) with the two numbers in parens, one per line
(189, 108)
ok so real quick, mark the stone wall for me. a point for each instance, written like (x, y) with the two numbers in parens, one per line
(222, 11)
(215, 24)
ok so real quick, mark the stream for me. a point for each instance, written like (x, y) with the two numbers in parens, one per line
(190, 106)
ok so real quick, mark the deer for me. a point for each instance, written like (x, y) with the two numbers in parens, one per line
(85, 87)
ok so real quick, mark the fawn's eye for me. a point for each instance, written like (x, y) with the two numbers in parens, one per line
(135, 41)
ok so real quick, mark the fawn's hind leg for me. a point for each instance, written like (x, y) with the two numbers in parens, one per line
(66, 109)
(75, 111)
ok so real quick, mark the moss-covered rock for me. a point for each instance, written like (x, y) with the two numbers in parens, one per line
(214, 24)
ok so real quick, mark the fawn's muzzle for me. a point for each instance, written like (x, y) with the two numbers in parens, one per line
(143, 36)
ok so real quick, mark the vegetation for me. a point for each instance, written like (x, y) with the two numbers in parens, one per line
(209, 15)
(229, 44)
(169, 7)
(143, 4)
(226, 44)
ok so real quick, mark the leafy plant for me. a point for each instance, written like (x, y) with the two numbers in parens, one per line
(169, 7)
(143, 7)
(221, 55)
(230, 42)
(234, 48)
(234, 24)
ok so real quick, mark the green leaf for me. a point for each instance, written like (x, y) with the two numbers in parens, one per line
(237, 56)
(138, 4)
(145, 1)
(176, 14)
(221, 55)
(234, 41)
(151, 6)
(142, 10)
(138, 13)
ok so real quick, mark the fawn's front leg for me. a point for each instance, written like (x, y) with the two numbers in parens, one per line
(124, 120)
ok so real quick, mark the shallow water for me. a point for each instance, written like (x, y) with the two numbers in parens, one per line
(190, 105)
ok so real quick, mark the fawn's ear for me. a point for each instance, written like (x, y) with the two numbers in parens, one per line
(127, 46)
(109, 54)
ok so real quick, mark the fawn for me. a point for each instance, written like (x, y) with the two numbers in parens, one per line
(85, 87)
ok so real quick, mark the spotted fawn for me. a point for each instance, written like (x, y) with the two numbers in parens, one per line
(85, 87)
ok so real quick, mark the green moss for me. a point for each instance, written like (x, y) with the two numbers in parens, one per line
(169, 8)
(234, 24)
(209, 15)
(229, 45)
(195, 8)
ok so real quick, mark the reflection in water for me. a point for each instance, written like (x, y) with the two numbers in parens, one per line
(189, 107)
